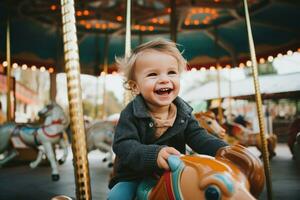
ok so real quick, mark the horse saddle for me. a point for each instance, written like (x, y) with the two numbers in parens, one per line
(25, 129)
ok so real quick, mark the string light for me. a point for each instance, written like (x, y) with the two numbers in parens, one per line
(270, 58)
(50, 70)
(53, 7)
(24, 67)
(86, 12)
(42, 69)
(4, 63)
(79, 13)
(219, 67)
(289, 52)
(249, 63)
(262, 60)
(33, 68)
(241, 65)
(15, 65)
(119, 18)
(150, 28)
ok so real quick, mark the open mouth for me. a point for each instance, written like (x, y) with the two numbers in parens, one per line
(162, 91)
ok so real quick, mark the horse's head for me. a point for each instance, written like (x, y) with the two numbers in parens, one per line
(46, 110)
(208, 121)
(233, 174)
(54, 111)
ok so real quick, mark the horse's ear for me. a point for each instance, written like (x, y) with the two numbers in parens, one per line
(211, 114)
(174, 162)
(248, 163)
(197, 115)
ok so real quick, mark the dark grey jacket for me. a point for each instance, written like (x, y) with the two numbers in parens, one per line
(136, 147)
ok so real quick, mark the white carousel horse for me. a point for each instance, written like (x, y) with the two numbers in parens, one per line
(62, 144)
(99, 135)
(43, 136)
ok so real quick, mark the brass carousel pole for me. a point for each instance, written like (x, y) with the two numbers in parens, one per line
(220, 110)
(72, 67)
(127, 95)
(8, 73)
(230, 97)
(259, 104)
(105, 71)
(218, 68)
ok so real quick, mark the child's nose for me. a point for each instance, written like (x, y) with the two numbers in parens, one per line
(163, 78)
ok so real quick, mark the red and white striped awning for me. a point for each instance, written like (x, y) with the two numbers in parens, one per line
(23, 93)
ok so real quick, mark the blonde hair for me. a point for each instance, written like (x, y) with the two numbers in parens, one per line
(161, 45)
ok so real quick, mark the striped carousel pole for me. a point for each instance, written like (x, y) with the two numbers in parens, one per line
(72, 67)
(258, 104)
(127, 94)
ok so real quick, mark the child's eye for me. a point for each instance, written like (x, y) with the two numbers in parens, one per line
(172, 72)
(152, 74)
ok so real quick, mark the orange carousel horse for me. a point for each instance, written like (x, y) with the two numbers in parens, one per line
(247, 137)
(234, 173)
(236, 133)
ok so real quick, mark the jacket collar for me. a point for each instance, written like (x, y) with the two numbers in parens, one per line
(140, 108)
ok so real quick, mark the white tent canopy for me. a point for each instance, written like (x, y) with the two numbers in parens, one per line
(269, 84)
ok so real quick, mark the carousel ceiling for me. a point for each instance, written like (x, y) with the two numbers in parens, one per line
(208, 31)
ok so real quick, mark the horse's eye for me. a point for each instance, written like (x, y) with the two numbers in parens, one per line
(212, 192)
(208, 122)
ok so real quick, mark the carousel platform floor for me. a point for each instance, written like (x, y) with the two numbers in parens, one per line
(20, 182)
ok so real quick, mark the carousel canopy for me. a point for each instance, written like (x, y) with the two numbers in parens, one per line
(208, 31)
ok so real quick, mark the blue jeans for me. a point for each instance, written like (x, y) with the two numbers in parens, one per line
(123, 190)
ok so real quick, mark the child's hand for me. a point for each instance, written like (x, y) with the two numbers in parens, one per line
(163, 154)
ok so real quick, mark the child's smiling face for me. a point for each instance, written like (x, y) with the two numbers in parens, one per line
(156, 77)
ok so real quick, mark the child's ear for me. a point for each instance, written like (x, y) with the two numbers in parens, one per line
(134, 87)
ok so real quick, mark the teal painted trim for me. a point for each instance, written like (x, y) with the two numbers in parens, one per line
(177, 167)
(227, 181)
(145, 188)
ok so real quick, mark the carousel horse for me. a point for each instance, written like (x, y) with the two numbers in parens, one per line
(45, 135)
(234, 173)
(235, 133)
(100, 136)
(208, 121)
(247, 137)
(62, 144)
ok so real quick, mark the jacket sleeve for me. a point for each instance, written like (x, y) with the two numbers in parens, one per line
(200, 140)
(129, 149)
